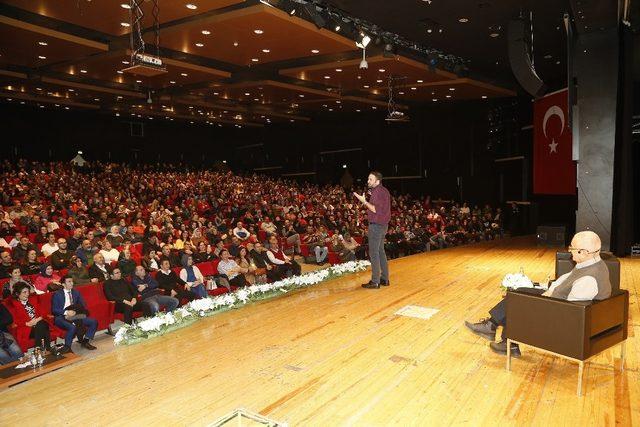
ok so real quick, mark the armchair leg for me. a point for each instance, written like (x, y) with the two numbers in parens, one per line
(622, 354)
(508, 354)
(580, 372)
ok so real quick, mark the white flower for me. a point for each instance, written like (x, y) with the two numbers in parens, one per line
(515, 281)
(242, 295)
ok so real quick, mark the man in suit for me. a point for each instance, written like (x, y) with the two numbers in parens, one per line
(589, 280)
(66, 304)
(99, 271)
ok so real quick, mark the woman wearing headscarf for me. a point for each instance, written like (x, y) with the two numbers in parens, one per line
(47, 280)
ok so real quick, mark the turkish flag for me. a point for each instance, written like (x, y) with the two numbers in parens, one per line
(554, 172)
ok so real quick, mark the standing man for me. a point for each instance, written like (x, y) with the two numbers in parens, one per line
(378, 214)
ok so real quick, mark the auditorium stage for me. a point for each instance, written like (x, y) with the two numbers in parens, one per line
(336, 354)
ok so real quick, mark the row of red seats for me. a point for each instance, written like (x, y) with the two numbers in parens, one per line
(100, 308)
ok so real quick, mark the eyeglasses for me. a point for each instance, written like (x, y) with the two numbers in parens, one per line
(572, 249)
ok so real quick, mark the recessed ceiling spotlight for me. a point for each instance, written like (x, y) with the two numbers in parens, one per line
(484, 96)
(419, 81)
(266, 50)
(434, 99)
(38, 88)
(119, 72)
(42, 57)
(43, 43)
(199, 44)
(184, 74)
(414, 88)
(205, 32)
(83, 71)
(247, 94)
(71, 90)
(125, 6)
(382, 70)
(327, 77)
(315, 51)
(125, 62)
(254, 59)
(337, 28)
(448, 96)
(463, 20)
(66, 108)
(125, 24)
(338, 102)
(366, 86)
(548, 56)
(494, 35)
(235, 44)
(400, 93)
(215, 93)
(96, 99)
(138, 81)
(452, 88)
(339, 70)
(429, 30)
(378, 81)
(258, 31)
(191, 6)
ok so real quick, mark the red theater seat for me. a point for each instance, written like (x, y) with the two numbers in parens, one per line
(98, 306)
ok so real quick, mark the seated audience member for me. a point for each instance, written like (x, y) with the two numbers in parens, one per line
(50, 247)
(28, 316)
(71, 314)
(204, 253)
(150, 295)
(173, 257)
(352, 245)
(20, 252)
(78, 271)
(338, 246)
(42, 236)
(99, 271)
(264, 269)
(191, 275)
(231, 269)
(292, 236)
(9, 242)
(114, 237)
(589, 280)
(268, 227)
(247, 265)
(172, 285)
(31, 265)
(75, 240)
(150, 261)
(126, 263)
(47, 280)
(6, 264)
(283, 264)
(85, 252)
(123, 294)
(234, 247)
(240, 232)
(319, 245)
(61, 258)
(10, 351)
(109, 253)
(219, 246)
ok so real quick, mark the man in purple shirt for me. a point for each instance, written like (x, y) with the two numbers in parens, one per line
(378, 213)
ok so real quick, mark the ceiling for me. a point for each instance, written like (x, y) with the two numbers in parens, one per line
(244, 63)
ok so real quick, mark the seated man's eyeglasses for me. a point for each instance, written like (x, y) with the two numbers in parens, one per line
(572, 249)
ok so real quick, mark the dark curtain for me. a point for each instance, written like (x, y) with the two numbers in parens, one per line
(624, 187)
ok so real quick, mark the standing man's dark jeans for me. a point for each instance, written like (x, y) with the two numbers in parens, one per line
(499, 312)
(379, 266)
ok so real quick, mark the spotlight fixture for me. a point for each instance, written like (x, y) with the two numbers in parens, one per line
(317, 17)
(363, 40)
(206, 32)
(191, 6)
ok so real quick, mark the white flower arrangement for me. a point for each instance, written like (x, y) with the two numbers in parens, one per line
(161, 323)
(515, 281)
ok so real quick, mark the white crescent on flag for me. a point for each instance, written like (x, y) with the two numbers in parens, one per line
(553, 111)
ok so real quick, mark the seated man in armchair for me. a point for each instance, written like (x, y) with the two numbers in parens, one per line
(589, 280)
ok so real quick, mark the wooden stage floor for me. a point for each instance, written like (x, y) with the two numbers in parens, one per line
(336, 354)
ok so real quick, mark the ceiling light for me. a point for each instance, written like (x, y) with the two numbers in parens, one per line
(382, 70)
(452, 88)
(414, 88)
(254, 59)
(327, 77)
(429, 30)
(66, 108)
(339, 70)
(434, 99)
(301, 96)
(184, 74)
(419, 81)
(258, 31)
(315, 51)
(172, 82)
(138, 81)
(366, 86)
(379, 81)
(247, 94)
(235, 44)
(484, 96)
(38, 88)
(337, 28)
(191, 6)
(96, 99)
(43, 43)
(125, 6)
(205, 32)
(548, 56)
(463, 20)
(448, 96)
(42, 57)
(494, 35)
(83, 71)
(199, 44)
(125, 24)
(120, 72)
(266, 50)
(71, 90)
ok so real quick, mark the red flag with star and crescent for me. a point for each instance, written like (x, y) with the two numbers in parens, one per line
(554, 172)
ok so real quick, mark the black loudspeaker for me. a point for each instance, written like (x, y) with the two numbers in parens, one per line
(520, 60)
(551, 236)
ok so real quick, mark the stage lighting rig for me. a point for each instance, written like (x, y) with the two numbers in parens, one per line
(143, 63)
